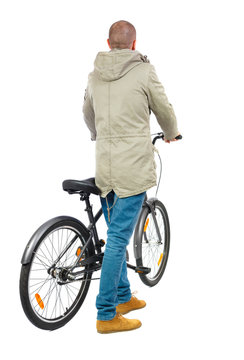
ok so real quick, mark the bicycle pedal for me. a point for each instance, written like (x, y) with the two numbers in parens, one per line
(142, 270)
(102, 242)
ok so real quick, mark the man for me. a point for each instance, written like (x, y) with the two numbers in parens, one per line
(121, 92)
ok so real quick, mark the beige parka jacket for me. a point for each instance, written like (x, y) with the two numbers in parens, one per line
(121, 92)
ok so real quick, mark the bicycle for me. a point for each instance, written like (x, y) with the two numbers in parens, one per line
(62, 255)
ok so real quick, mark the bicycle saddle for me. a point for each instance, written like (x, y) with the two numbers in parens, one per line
(87, 185)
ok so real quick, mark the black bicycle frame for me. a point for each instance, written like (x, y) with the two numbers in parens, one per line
(98, 256)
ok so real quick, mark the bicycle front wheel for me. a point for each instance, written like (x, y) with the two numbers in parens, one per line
(50, 301)
(153, 249)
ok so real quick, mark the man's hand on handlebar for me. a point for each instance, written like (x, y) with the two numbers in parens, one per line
(160, 135)
(178, 137)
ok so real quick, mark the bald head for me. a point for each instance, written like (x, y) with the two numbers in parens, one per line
(122, 34)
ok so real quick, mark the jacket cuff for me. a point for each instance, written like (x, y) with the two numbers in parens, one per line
(171, 135)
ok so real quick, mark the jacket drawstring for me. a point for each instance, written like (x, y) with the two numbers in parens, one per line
(108, 208)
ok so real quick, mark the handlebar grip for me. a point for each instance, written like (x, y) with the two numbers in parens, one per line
(161, 136)
(178, 137)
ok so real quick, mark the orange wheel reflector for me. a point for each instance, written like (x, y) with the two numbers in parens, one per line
(145, 227)
(39, 300)
(78, 251)
(160, 259)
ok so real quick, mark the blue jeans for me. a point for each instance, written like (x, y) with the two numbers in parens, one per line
(114, 285)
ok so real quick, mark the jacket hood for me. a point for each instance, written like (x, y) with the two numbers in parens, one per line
(112, 65)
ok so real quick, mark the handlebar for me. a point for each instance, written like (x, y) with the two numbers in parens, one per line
(161, 136)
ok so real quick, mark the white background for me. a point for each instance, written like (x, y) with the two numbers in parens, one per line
(47, 50)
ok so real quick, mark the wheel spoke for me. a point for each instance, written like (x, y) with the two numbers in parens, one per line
(69, 251)
(49, 293)
(41, 261)
(53, 246)
(40, 282)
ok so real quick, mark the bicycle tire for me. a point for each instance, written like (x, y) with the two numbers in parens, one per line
(24, 284)
(142, 236)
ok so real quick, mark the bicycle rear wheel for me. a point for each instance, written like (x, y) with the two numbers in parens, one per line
(153, 251)
(50, 301)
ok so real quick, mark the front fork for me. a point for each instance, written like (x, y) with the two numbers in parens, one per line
(150, 203)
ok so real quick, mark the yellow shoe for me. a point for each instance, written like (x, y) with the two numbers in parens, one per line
(133, 304)
(118, 323)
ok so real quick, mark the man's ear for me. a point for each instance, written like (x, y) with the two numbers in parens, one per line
(108, 44)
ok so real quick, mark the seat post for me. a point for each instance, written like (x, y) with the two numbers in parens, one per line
(85, 196)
